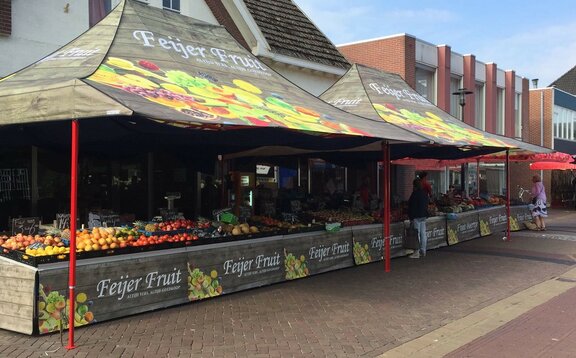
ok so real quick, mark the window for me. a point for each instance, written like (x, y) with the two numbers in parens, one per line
(425, 84)
(455, 109)
(518, 116)
(6, 18)
(173, 5)
(479, 110)
(564, 123)
(500, 126)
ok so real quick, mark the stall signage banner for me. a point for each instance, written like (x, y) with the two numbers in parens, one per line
(113, 289)
(324, 252)
(518, 216)
(464, 228)
(369, 244)
(234, 268)
(435, 233)
(119, 288)
(492, 220)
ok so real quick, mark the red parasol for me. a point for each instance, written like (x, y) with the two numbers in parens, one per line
(552, 166)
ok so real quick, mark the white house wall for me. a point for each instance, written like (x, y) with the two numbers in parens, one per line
(196, 9)
(40, 27)
(312, 81)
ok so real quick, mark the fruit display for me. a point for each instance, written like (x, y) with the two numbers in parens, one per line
(347, 218)
(274, 223)
(53, 310)
(361, 254)
(295, 266)
(171, 225)
(202, 286)
(240, 229)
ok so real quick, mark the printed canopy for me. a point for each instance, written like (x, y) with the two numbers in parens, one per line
(176, 70)
(385, 96)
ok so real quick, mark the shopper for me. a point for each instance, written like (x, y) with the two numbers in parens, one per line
(417, 212)
(425, 184)
(539, 210)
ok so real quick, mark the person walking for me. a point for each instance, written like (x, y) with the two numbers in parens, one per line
(539, 209)
(417, 213)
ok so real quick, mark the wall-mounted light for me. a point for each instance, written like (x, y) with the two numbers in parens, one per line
(67, 8)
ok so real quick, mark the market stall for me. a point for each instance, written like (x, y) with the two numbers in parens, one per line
(149, 78)
(142, 76)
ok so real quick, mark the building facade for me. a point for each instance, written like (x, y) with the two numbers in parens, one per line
(553, 122)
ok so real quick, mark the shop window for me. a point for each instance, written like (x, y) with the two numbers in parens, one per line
(172, 5)
(518, 116)
(480, 121)
(5, 18)
(425, 84)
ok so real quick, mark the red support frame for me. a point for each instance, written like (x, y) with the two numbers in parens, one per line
(73, 216)
(508, 195)
(386, 203)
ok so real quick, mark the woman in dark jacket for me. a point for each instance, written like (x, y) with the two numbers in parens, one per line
(417, 212)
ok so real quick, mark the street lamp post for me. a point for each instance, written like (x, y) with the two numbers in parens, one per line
(462, 93)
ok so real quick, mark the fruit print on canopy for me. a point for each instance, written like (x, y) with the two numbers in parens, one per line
(201, 97)
(431, 125)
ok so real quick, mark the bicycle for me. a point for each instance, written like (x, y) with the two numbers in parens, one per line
(521, 192)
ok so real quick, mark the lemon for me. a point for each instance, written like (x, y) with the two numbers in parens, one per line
(246, 86)
(81, 297)
(213, 273)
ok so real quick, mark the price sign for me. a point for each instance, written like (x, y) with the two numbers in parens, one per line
(102, 220)
(62, 221)
(26, 226)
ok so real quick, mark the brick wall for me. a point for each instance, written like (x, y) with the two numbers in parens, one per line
(5, 17)
(394, 54)
(521, 173)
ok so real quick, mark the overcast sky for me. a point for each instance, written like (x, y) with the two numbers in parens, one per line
(537, 39)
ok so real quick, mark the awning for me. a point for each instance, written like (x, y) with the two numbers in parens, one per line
(379, 95)
(556, 158)
(143, 61)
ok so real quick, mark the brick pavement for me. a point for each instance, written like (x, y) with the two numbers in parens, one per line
(545, 331)
(353, 312)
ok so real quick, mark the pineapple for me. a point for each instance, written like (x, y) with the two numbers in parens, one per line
(54, 232)
(65, 234)
(138, 224)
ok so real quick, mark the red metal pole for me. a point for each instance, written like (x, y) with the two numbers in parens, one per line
(508, 194)
(73, 215)
(386, 203)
